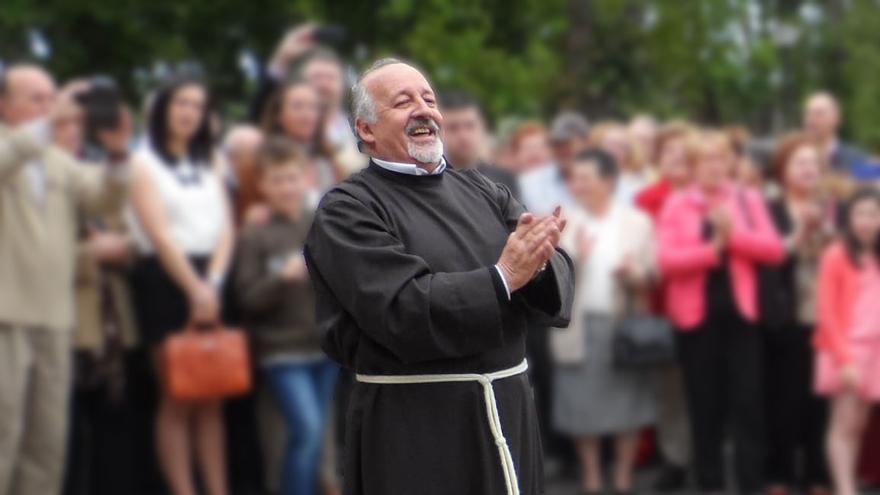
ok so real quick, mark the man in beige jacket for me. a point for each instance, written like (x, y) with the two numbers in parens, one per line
(42, 191)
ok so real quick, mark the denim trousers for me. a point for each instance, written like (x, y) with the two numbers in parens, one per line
(302, 391)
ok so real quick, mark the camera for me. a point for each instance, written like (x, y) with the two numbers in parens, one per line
(102, 103)
(333, 35)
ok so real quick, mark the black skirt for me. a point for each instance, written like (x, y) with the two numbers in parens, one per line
(161, 306)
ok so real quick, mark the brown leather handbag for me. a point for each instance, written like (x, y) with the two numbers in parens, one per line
(206, 362)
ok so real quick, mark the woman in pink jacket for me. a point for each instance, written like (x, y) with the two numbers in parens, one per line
(848, 336)
(712, 236)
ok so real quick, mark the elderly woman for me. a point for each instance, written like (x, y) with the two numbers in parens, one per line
(673, 432)
(712, 237)
(613, 245)
(796, 418)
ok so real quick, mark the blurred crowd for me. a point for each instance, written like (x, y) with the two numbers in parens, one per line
(760, 256)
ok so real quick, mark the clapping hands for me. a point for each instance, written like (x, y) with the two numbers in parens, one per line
(530, 246)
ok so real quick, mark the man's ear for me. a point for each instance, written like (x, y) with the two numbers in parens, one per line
(365, 132)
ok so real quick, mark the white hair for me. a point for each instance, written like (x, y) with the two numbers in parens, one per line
(362, 105)
(426, 154)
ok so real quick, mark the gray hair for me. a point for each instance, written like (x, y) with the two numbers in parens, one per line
(362, 105)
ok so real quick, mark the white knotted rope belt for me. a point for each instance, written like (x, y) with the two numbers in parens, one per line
(485, 380)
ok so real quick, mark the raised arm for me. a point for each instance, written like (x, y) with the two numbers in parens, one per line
(20, 145)
(98, 188)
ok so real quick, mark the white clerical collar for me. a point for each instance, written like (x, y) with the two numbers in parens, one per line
(410, 168)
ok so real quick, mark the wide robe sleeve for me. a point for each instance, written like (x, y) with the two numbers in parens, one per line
(549, 295)
(393, 296)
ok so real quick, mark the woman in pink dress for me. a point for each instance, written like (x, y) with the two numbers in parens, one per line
(848, 337)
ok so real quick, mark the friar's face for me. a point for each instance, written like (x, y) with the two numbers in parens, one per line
(407, 124)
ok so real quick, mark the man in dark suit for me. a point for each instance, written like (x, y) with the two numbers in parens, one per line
(821, 121)
(464, 138)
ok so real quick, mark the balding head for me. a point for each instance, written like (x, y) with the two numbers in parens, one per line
(821, 116)
(643, 131)
(396, 116)
(243, 136)
(28, 92)
(241, 145)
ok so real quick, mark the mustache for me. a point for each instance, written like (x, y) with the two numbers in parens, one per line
(422, 122)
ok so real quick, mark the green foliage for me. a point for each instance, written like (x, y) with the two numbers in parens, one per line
(715, 61)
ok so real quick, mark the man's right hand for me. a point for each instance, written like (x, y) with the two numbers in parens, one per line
(529, 247)
(296, 42)
(65, 99)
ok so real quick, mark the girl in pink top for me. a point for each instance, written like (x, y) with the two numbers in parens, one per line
(848, 337)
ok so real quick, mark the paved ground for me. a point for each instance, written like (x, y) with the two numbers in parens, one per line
(644, 480)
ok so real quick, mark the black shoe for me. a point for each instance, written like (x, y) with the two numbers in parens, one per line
(671, 479)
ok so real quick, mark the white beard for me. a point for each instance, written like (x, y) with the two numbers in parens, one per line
(425, 153)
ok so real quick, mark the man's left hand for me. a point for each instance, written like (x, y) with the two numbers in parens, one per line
(554, 235)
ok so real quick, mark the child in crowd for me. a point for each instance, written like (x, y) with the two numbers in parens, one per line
(276, 297)
(848, 339)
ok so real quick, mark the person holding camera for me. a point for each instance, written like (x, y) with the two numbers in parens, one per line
(43, 190)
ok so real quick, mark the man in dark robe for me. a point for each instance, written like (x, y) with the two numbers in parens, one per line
(425, 279)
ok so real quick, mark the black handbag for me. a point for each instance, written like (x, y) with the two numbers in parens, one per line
(642, 340)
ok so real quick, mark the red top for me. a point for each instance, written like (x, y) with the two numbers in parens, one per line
(838, 292)
(685, 258)
(652, 198)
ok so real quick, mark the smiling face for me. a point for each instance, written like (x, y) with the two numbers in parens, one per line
(407, 123)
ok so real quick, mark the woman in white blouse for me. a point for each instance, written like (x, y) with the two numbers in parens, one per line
(182, 227)
(612, 243)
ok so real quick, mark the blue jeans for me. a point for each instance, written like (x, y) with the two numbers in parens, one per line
(303, 392)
